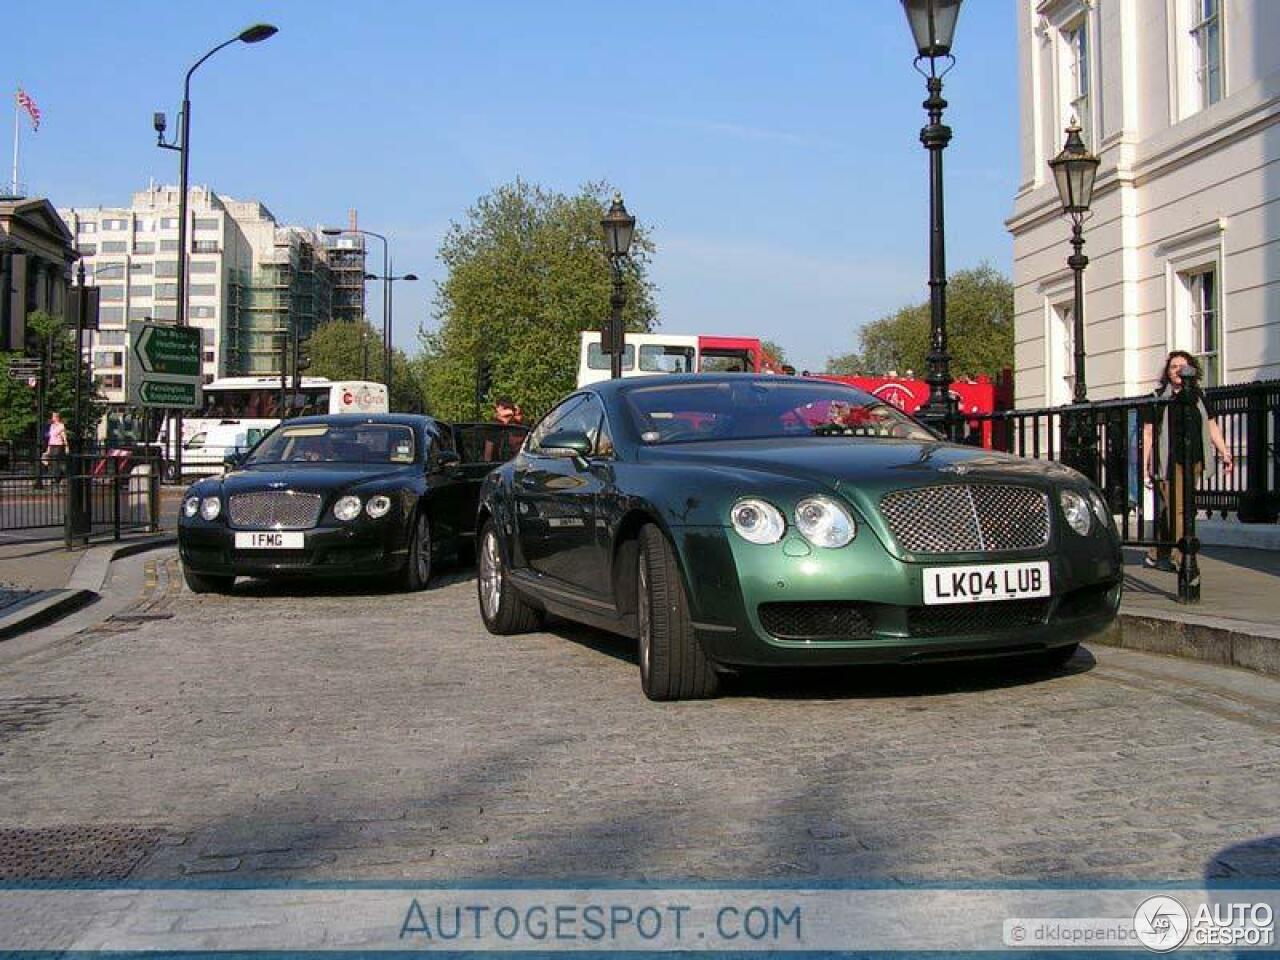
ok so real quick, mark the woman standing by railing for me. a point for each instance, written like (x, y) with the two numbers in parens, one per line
(1164, 451)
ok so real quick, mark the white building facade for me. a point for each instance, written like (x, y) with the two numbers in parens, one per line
(1180, 99)
(251, 282)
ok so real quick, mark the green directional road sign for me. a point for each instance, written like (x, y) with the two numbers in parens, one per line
(164, 365)
(160, 393)
(172, 350)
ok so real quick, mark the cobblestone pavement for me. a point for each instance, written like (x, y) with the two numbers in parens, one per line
(352, 733)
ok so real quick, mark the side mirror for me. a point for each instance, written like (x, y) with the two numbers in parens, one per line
(572, 442)
(443, 459)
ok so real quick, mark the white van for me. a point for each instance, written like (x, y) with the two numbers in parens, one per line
(205, 451)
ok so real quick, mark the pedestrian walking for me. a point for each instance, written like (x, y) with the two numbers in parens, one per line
(1164, 452)
(55, 451)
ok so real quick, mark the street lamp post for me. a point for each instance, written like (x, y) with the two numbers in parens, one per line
(619, 229)
(1074, 171)
(254, 34)
(387, 326)
(933, 24)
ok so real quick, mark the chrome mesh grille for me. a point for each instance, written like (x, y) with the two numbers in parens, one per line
(272, 510)
(967, 518)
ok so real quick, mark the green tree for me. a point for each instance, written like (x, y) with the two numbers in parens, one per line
(527, 273)
(50, 337)
(979, 331)
(337, 351)
(774, 349)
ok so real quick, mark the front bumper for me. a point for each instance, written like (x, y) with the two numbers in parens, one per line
(792, 604)
(363, 547)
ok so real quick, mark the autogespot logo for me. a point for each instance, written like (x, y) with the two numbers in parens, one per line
(1161, 923)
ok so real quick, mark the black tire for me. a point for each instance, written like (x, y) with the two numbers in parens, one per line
(502, 609)
(206, 582)
(672, 664)
(417, 569)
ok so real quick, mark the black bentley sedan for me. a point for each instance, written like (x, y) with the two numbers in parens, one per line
(339, 495)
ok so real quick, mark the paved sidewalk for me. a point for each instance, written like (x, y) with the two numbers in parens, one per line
(1235, 584)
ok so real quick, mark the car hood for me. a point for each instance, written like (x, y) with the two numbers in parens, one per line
(842, 462)
(317, 478)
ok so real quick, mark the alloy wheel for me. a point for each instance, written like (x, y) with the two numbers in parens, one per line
(644, 621)
(490, 575)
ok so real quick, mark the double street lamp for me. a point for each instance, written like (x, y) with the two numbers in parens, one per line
(933, 24)
(619, 229)
(254, 34)
(387, 279)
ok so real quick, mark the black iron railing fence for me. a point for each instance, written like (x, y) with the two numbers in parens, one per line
(1116, 443)
(96, 494)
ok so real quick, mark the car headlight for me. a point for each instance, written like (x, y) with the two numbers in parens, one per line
(1076, 509)
(824, 522)
(347, 508)
(210, 507)
(190, 506)
(378, 506)
(757, 521)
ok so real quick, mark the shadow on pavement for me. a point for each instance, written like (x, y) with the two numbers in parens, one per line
(865, 682)
(371, 586)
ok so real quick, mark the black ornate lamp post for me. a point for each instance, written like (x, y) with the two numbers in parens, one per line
(1074, 171)
(619, 228)
(254, 34)
(933, 24)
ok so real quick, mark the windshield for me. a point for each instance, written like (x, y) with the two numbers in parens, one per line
(761, 409)
(329, 443)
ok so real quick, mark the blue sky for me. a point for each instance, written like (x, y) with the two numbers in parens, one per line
(770, 147)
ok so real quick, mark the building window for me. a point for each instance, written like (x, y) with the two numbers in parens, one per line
(1204, 322)
(204, 289)
(111, 291)
(204, 266)
(144, 225)
(115, 246)
(115, 224)
(168, 246)
(110, 381)
(144, 247)
(206, 223)
(87, 226)
(1062, 354)
(111, 338)
(210, 357)
(139, 267)
(139, 313)
(107, 358)
(166, 268)
(1076, 80)
(204, 313)
(1206, 45)
(205, 246)
(166, 291)
(139, 290)
(111, 314)
(88, 249)
(168, 223)
(165, 312)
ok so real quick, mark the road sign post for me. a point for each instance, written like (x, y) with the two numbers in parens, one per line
(164, 371)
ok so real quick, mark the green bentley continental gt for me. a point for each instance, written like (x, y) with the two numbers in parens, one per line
(737, 521)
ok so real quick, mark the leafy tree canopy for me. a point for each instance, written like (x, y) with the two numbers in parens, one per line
(48, 336)
(527, 273)
(979, 331)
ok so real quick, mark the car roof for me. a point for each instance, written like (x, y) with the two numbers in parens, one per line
(609, 388)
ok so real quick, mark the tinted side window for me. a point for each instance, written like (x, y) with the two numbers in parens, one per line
(586, 417)
(553, 421)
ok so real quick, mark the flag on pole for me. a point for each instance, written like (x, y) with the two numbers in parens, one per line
(25, 101)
